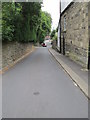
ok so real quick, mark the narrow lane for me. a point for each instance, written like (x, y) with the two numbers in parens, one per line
(38, 87)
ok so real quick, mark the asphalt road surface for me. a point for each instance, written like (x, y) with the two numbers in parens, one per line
(37, 87)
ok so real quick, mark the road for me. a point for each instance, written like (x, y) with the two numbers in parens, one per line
(38, 87)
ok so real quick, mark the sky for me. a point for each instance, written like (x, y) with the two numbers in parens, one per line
(53, 7)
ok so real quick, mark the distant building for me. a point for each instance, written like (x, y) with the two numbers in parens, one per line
(75, 32)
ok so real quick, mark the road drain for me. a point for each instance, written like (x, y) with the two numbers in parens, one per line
(36, 93)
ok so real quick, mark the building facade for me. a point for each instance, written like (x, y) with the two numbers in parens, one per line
(75, 32)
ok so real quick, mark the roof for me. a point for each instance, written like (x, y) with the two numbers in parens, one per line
(66, 8)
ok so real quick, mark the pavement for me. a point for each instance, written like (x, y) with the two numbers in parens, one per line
(38, 87)
(77, 73)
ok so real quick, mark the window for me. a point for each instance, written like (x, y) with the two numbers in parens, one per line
(64, 23)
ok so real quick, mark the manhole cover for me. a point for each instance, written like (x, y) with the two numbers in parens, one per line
(36, 93)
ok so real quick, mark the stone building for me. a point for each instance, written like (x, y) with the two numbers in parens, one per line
(75, 32)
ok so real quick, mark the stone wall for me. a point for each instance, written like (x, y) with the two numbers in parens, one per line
(12, 51)
(76, 33)
(54, 44)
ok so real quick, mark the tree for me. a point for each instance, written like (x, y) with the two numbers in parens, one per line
(45, 26)
(31, 15)
(24, 22)
(7, 21)
(53, 33)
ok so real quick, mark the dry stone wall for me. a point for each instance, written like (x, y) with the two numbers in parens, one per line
(12, 51)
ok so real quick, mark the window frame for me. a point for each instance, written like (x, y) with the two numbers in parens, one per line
(65, 23)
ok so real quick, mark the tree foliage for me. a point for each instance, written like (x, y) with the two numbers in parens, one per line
(24, 22)
(7, 22)
(45, 26)
(53, 33)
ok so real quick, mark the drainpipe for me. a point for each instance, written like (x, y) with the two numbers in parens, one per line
(63, 43)
(60, 27)
(88, 67)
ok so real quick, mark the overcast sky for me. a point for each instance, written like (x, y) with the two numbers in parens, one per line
(53, 7)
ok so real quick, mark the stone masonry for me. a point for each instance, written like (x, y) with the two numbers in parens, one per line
(74, 30)
(12, 51)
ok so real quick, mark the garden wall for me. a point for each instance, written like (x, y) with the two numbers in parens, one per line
(12, 51)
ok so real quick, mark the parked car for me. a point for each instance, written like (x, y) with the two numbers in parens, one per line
(43, 44)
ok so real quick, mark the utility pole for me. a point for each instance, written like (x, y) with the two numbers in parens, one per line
(60, 27)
